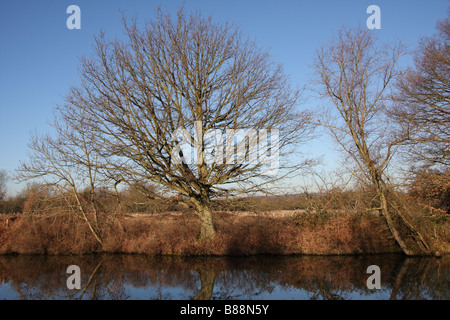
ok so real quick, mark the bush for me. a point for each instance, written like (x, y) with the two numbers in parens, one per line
(432, 189)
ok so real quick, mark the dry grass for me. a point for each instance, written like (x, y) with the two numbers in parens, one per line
(238, 233)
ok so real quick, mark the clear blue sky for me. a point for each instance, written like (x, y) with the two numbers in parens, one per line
(39, 54)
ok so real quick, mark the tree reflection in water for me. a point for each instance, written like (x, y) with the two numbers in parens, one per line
(203, 278)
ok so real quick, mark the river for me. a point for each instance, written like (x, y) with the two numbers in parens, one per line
(139, 277)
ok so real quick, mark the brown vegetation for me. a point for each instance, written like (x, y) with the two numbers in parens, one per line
(330, 222)
(242, 233)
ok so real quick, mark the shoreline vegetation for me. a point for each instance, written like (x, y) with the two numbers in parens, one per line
(173, 233)
(270, 227)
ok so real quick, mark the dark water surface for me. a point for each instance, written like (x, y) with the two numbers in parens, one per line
(136, 277)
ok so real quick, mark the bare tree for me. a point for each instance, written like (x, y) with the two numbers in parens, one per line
(69, 163)
(355, 74)
(3, 179)
(188, 85)
(423, 100)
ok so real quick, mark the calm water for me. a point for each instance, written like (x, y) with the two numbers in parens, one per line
(258, 277)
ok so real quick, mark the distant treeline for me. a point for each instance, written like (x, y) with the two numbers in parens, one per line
(429, 191)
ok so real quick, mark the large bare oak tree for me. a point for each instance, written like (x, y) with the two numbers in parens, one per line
(189, 105)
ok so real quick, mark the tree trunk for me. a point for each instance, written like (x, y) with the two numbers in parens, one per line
(392, 228)
(207, 279)
(399, 279)
(207, 230)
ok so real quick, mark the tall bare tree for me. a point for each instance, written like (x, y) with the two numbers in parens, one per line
(355, 74)
(182, 85)
(3, 179)
(69, 162)
(423, 100)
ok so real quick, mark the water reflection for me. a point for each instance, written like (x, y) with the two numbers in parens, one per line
(256, 277)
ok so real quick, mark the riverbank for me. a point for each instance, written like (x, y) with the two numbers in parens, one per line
(238, 233)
